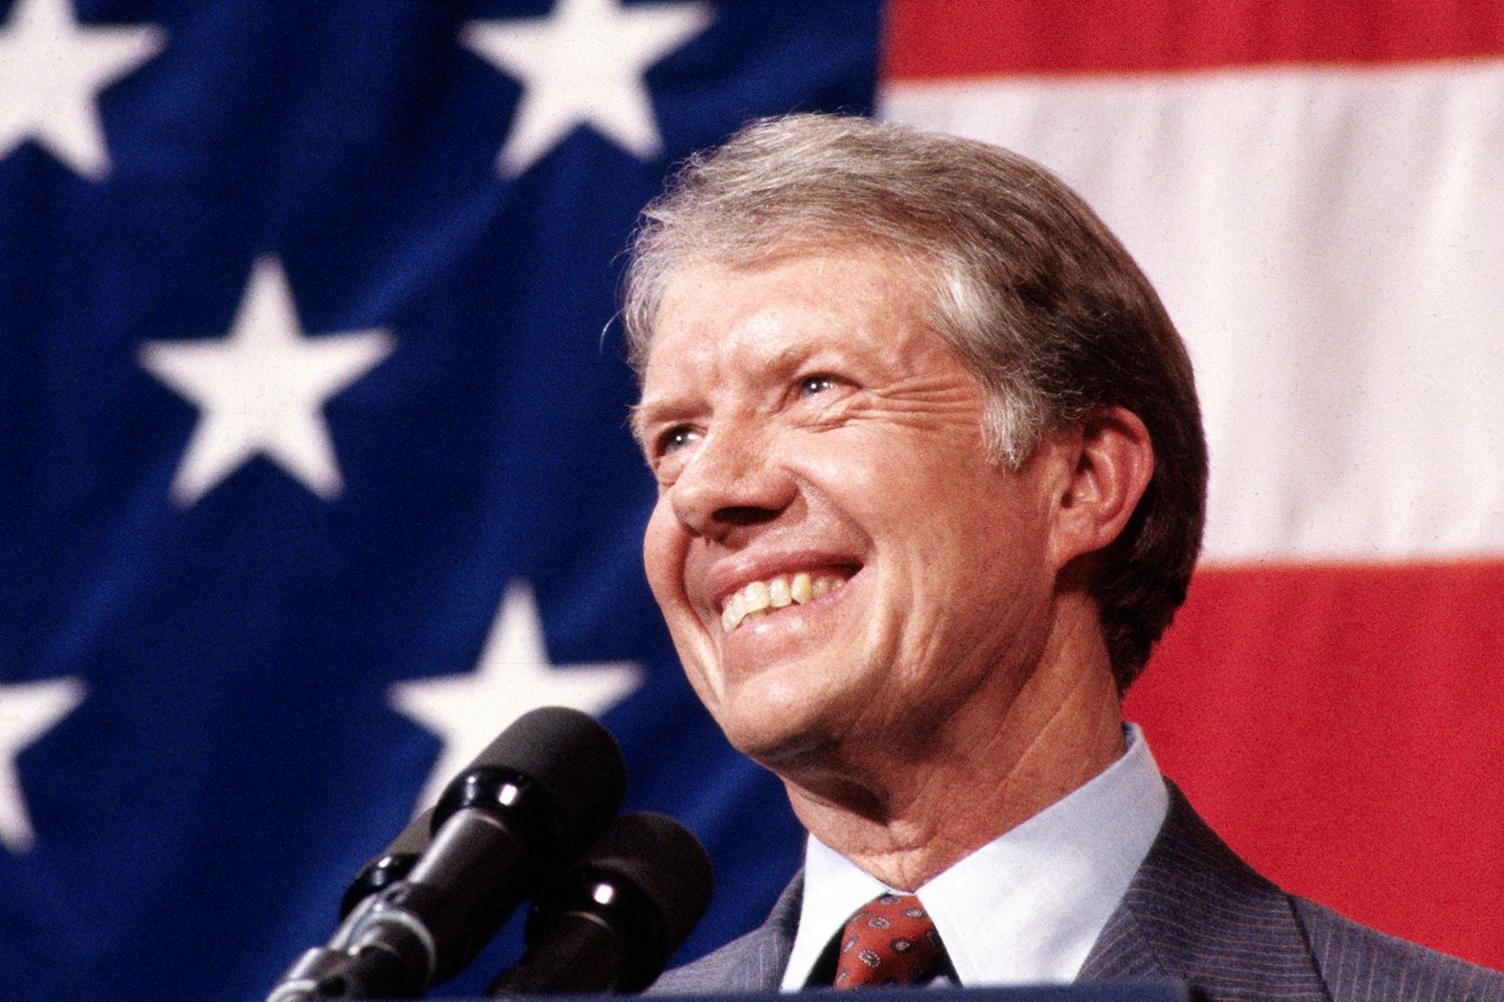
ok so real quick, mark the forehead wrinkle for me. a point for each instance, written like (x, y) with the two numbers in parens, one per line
(760, 344)
(714, 351)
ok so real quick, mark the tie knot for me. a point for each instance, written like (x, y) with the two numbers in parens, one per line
(888, 941)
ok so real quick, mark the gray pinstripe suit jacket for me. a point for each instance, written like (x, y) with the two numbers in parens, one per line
(1194, 912)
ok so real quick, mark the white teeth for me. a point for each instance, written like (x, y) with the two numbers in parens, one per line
(757, 598)
(799, 589)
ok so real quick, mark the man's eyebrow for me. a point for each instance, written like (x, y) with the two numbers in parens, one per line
(637, 419)
(776, 364)
(649, 412)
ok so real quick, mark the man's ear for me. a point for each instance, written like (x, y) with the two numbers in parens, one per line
(1111, 460)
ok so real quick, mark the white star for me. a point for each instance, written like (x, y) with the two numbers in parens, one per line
(261, 389)
(584, 65)
(513, 677)
(51, 72)
(27, 711)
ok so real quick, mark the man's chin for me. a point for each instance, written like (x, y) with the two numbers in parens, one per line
(783, 737)
(752, 724)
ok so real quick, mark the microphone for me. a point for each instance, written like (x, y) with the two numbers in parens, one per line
(391, 865)
(386, 868)
(530, 802)
(610, 921)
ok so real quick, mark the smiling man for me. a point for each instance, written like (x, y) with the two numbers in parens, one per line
(931, 485)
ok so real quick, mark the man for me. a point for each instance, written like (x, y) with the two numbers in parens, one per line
(931, 484)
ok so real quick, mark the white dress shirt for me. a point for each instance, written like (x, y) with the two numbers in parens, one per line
(1026, 907)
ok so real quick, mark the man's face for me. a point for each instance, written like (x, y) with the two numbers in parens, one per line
(835, 555)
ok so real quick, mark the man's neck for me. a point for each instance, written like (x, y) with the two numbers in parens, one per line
(907, 814)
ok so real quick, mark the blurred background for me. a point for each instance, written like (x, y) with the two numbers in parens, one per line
(314, 470)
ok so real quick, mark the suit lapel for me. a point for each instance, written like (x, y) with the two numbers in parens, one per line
(1196, 912)
(751, 963)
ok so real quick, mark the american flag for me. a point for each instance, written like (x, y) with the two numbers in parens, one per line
(314, 470)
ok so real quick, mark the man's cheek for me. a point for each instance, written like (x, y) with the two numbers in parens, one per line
(661, 556)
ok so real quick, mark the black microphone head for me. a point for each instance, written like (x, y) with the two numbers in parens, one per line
(566, 753)
(610, 921)
(391, 864)
(646, 880)
(658, 856)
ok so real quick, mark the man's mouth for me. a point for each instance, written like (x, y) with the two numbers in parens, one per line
(758, 598)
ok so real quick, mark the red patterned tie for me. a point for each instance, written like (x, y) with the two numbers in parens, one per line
(889, 941)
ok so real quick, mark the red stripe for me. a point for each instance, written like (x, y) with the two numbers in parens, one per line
(1344, 730)
(928, 39)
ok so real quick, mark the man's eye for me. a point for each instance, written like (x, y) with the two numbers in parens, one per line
(810, 385)
(675, 438)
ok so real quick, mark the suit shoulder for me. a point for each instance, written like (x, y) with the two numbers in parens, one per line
(1357, 962)
(750, 963)
(733, 967)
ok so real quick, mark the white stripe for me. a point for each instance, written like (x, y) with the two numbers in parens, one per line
(1330, 243)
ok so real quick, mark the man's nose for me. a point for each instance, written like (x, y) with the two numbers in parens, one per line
(731, 482)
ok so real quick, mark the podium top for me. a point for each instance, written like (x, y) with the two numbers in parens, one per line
(1106, 991)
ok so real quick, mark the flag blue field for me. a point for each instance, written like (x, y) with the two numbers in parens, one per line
(314, 469)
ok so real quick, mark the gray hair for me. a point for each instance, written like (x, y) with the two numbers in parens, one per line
(1029, 288)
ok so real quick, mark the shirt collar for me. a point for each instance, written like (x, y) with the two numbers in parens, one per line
(1026, 907)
